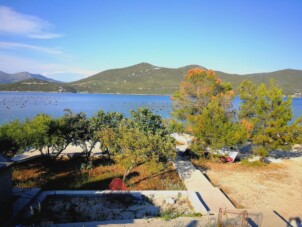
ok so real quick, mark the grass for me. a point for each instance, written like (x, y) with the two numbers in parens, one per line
(170, 214)
(244, 165)
(68, 175)
(258, 163)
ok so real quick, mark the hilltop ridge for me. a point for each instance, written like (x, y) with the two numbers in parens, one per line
(145, 78)
(6, 78)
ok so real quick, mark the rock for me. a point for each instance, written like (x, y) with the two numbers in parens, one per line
(272, 160)
(254, 159)
(297, 148)
(170, 201)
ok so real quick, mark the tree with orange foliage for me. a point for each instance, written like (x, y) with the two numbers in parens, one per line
(198, 89)
(203, 103)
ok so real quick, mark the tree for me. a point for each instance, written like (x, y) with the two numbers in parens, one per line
(203, 103)
(38, 132)
(197, 90)
(296, 129)
(146, 121)
(13, 138)
(66, 130)
(269, 114)
(214, 129)
(104, 129)
(141, 139)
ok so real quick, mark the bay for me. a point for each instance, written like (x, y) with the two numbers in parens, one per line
(22, 105)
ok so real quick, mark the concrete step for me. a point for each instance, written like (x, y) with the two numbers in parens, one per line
(211, 197)
(216, 200)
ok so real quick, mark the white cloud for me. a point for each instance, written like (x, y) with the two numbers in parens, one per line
(16, 23)
(55, 71)
(12, 45)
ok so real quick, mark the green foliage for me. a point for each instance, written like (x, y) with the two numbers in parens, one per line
(38, 131)
(203, 104)
(296, 131)
(257, 163)
(12, 138)
(261, 151)
(142, 138)
(66, 130)
(146, 121)
(87, 131)
(37, 85)
(174, 126)
(197, 90)
(133, 141)
(213, 128)
(171, 213)
(269, 113)
(145, 79)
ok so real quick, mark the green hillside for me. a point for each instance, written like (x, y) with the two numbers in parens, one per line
(139, 79)
(145, 78)
(289, 80)
(37, 85)
(148, 79)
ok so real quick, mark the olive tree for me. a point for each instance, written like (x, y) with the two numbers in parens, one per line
(13, 138)
(142, 138)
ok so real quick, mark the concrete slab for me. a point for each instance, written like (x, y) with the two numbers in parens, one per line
(195, 181)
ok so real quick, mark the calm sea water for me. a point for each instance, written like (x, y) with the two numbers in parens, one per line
(22, 105)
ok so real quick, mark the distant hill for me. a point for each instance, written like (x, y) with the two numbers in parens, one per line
(6, 78)
(290, 80)
(37, 85)
(145, 78)
(142, 78)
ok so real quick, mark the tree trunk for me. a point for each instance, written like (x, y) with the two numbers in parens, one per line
(126, 173)
(41, 151)
(61, 150)
(92, 145)
(108, 153)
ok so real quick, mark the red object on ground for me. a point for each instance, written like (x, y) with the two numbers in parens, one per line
(117, 184)
(229, 159)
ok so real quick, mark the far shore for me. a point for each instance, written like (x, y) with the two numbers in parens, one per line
(53, 92)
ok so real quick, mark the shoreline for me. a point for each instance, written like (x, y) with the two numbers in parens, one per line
(53, 92)
(95, 93)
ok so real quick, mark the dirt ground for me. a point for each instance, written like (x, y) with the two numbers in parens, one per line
(274, 186)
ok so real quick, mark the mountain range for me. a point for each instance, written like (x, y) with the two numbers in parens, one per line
(145, 78)
(6, 78)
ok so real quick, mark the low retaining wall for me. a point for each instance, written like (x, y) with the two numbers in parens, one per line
(192, 196)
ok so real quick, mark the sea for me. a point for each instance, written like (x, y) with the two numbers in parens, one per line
(23, 105)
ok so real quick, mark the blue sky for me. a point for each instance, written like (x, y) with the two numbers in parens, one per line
(68, 40)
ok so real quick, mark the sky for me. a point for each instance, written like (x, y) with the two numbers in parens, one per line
(68, 40)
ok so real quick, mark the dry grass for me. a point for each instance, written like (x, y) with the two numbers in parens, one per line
(67, 174)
